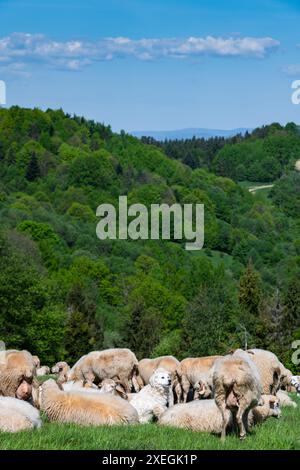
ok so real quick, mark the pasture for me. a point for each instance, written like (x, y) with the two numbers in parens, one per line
(274, 434)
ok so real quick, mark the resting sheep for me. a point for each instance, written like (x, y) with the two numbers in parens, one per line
(152, 400)
(146, 368)
(85, 409)
(237, 389)
(112, 387)
(195, 372)
(17, 374)
(117, 364)
(285, 399)
(205, 416)
(17, 415)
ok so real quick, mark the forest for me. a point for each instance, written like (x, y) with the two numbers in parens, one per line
(64, 292)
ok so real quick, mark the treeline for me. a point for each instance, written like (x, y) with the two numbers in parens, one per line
(63, 291)
(261, 156)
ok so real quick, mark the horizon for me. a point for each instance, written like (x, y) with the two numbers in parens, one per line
(195, 66)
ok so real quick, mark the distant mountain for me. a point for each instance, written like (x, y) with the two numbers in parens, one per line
(190, 132)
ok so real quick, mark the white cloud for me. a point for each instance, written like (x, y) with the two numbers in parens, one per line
(292, 70)
(27, 49)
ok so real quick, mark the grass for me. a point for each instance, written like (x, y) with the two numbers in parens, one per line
(274, 434)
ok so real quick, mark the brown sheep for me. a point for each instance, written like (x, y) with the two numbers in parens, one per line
(61, 368)
(85, 409)
(237, 389)
(193, 372)
(116, 364)
(17, 374)
(146, 368)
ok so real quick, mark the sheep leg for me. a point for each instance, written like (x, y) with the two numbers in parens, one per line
(185, 384)
(225, 417)
(240, 423)
(178, 392)
(125, 383)
(171, 398)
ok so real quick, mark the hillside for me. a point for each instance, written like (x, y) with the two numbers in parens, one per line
(63, 291)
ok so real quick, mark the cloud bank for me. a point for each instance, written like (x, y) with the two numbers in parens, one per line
(20, 50)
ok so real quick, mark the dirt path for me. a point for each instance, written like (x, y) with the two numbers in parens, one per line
(257, 188)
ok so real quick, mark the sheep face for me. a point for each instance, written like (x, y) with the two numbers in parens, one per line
(160, 378)
(24, 390)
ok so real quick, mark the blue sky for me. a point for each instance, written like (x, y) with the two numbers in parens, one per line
(154, 64)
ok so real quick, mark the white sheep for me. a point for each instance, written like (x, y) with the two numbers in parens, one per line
(86, 409)
(285, 399)
(205, 416)
(152, 400)
(237, 388)
(18, 415)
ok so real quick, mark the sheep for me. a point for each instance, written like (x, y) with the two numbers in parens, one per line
(285, 399)
(194, 372)
(79, 385)
(44, 370)
(120, 364)
(151, 401)
(146, 368)
(61, 368)
(205, 416)
(269, 368)
(18, 415)
(85, 409)
(237, 388)
(17, 374)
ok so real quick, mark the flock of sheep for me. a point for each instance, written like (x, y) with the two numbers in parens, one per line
(216, 394)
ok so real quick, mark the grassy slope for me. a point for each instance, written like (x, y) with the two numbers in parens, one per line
(274, 434)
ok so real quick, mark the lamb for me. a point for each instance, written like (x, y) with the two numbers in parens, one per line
(152, 400)
(285, 399)
(17, 374)
(147, 367)
(269, 368)
(194, 372)
(205, 416)
(61, 368)
(237, 389)
(18, 415)
(44, 370)
(36, 361)
(78, 407)
(120, 364)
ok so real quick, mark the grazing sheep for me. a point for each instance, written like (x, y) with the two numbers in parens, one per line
(120, 364)
(237, 389)
(146, 368)
(269, 368)
(85, 409)
(205, 416)
(17, 415)
(285, 399)
(194, 372)
(152, 400)
(44, 370)
(17, 373)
